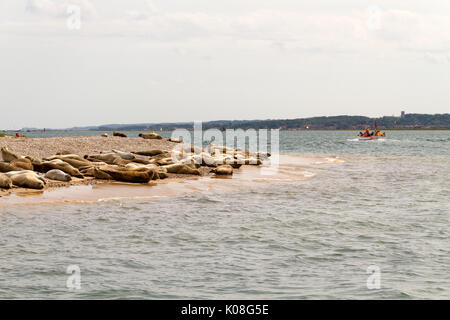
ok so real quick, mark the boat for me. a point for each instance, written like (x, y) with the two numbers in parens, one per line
(374, 135)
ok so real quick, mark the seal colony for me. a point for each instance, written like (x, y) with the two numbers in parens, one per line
(27, 163)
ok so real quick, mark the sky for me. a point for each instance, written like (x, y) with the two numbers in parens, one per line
(90, 62)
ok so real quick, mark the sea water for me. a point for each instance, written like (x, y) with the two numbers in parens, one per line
(345, 219)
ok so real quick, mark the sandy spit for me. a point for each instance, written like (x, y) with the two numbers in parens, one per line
(46, 147)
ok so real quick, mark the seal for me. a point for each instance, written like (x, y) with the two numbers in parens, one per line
(23, 163)
(8, 155)
(73, 159)
(223, 170)
(149, 153)
(139, 175)
(61, 165)
(109, 158)
(176, 140)
(181, 168)
(26, 179)
(5, 181)
(124, 155)
(119, 134)
(58, 175)
(7, 167)
(150, 136)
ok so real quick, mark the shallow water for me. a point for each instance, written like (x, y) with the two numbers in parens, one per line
(336, 207)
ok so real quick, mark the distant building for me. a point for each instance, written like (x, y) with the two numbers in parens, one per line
(402, 114)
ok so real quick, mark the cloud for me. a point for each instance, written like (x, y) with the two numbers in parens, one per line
(373, 30)
(58, 9)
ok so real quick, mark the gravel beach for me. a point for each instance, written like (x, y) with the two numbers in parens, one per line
(46, 147)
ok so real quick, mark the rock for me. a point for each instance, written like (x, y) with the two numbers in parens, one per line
(58, 175)
(105, 135)
(119, 134)
(5, 181)
(64, 152)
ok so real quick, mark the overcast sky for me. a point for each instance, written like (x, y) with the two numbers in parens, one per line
(134, 61)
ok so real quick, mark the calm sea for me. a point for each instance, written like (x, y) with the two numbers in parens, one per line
(341, 210)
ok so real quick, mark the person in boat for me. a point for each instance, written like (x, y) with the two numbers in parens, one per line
(366, 133)
(380, 134)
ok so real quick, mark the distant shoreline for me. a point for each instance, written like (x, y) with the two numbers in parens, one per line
(406, 121)
(4, 133)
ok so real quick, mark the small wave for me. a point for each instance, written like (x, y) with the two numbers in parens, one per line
(120, 199)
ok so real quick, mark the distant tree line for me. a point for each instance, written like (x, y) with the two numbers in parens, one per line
(409, 121)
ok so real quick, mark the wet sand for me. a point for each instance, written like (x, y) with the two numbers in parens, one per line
(291, 168)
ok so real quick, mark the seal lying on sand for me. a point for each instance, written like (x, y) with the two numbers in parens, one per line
(58, 175)
(124, 155)
(7, 167)
(150, 136)
(73, 159)
(176, 140)
(109, 158)
(160, 172)
(149, 153)
(181, 168)
(26, 179)
(61, 165)
(139, 175)
(119, 134)
(5, 181)
(23, 163)
(8, 155)
(223, 170)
